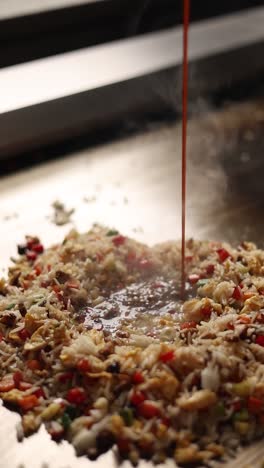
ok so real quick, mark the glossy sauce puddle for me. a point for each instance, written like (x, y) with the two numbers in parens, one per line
(138, 307)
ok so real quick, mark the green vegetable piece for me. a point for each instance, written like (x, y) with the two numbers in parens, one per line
(202, 282)
(71, 411)
(112, 232)
(127, 415)
(220, 409)
(66, 421)
(241, 415)
(10, 306)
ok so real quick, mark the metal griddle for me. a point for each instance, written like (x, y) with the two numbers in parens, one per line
(141, 197)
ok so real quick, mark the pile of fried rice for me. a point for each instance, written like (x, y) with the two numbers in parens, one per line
(189, 384)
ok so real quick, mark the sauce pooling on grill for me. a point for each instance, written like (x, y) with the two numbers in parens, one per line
(140, 306)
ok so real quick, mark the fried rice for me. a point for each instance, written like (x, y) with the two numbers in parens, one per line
(97, 345)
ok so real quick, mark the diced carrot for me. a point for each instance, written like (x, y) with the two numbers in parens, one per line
(248, 295)
(33, 364)
(38, 270)
(188, 325)
(244, 319)
(28, 402)
(6, 385)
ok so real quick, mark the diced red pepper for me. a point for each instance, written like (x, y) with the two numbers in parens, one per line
(83, 365)
(28, 402)
(260, 340)
(193, 278)
(76, 396)
(236, 405)
(23, 334)
(6, 385)
(31, 241)
(188, 325)
(33, 364)
(65, 377)
(206, 311)
(31, 255)
(137, 377)
(148, 410)
(210, 269)
(167, 356)
(137, 398)
(166, 421)
(38, 248)
(17, 377)
(230, 326)
(254, 405)
(40, 393)
(24, 386)
(123, 445)
(237, 293)
(223, 254)
(118, 240)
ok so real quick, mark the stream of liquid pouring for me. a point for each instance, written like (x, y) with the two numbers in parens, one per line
(186, 15)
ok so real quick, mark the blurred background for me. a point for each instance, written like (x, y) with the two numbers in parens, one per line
(78, 75)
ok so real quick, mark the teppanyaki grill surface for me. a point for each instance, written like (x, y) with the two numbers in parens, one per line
(219, 207)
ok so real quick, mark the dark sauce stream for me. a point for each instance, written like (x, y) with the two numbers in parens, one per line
(140, 303)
